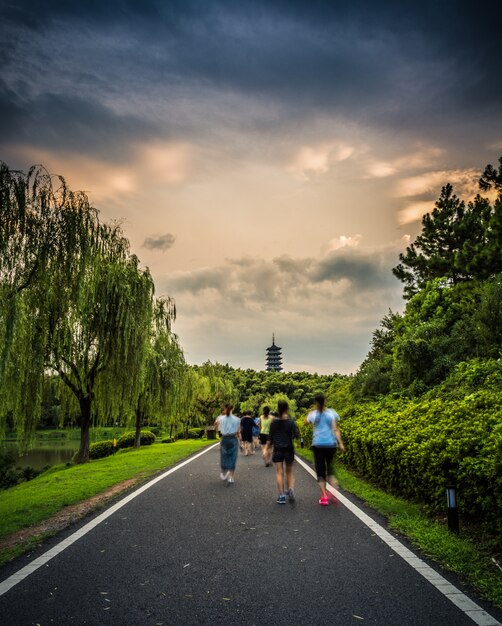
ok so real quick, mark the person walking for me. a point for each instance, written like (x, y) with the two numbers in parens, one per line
(282, 432)
(326, 439)
(256, 433)
(265, 421)
(247, 425)
(229, 427)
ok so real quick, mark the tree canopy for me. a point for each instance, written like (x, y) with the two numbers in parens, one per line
(453, 282)
(459, 241)
(76, 303)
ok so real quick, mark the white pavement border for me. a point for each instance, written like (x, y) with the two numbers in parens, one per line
(459, 599)
(20, 575)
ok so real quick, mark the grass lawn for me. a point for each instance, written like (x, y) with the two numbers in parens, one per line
(459, 554)
(35, 501)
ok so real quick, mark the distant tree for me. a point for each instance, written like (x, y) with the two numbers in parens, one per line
(163, 388)
(272, 402)
(488, 318)
(374, 376)
(212, 389)
(492, 178)
(458, 242)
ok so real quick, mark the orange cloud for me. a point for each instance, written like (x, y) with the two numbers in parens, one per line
(316, 160)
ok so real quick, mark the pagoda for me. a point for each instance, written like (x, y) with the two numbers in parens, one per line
(274, 357)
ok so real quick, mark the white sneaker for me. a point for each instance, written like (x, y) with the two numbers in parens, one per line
(223, 475)
(230, 481)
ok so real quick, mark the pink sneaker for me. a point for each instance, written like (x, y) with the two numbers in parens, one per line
(323, 501)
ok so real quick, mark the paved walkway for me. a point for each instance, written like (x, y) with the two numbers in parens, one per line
(190, 550)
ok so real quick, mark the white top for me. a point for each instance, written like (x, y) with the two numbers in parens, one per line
(228, 424)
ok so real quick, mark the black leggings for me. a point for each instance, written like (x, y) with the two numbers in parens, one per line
(323, 458)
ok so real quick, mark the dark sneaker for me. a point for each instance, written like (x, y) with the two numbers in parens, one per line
(291, 495)
(281, 499)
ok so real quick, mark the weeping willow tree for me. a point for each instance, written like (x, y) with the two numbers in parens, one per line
(46, 235)
(210, 391)
(99, 345)
(73, 301)
(164, 388)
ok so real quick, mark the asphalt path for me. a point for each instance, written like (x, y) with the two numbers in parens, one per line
(192, 550)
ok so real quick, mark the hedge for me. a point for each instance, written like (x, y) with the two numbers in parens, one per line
(195, 433)
(100, 449)
(127, 439)
(415, 448)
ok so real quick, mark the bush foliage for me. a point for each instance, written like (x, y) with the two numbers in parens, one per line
(100, 449)
(414, 448)
(195, 433)
(11, 475)
(127, 439)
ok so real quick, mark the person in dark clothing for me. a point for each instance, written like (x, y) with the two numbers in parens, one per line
(247, 425)
(283, 431)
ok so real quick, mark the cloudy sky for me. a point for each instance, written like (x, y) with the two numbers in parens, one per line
(269, 159)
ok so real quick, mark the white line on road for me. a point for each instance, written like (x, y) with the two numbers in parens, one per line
(21, 574)
(459, 599)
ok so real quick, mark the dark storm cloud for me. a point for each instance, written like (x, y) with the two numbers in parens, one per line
(215, 278)
(262, 281)
(68, 122)
(364, 271)
(420, 67)
(160, 242)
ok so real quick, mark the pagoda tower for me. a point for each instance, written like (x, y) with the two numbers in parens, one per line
(274, 357)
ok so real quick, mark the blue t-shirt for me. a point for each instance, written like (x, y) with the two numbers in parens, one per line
(228, 424)
(323, 427)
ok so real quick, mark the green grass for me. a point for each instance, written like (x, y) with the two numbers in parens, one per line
(460, 554)
(32, 502)
(97, 433)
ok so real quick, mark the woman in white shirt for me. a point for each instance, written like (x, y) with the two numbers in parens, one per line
(229, 427)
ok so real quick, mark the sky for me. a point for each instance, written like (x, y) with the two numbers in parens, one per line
(268, 160)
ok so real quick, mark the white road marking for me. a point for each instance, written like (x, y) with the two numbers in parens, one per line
(457, 597)
(21, 574)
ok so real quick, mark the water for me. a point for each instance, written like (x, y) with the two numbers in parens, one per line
(43, 453)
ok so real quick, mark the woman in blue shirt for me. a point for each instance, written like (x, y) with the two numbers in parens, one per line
(325, 440)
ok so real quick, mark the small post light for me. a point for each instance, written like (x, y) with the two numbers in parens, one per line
(452, 508)
(302, 443)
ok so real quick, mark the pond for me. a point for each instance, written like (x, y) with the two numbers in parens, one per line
(43, 453)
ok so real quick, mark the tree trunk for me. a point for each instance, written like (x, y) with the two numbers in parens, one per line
(85, 425)
(139, 420)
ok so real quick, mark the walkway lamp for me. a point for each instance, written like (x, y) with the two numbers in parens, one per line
(452, 508)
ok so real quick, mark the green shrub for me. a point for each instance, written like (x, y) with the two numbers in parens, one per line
(127, 439)
(156, 430)
(414, 448)
(168, 440)
(10, 475)
(195, 433)
(101, 449)
(306, 431)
